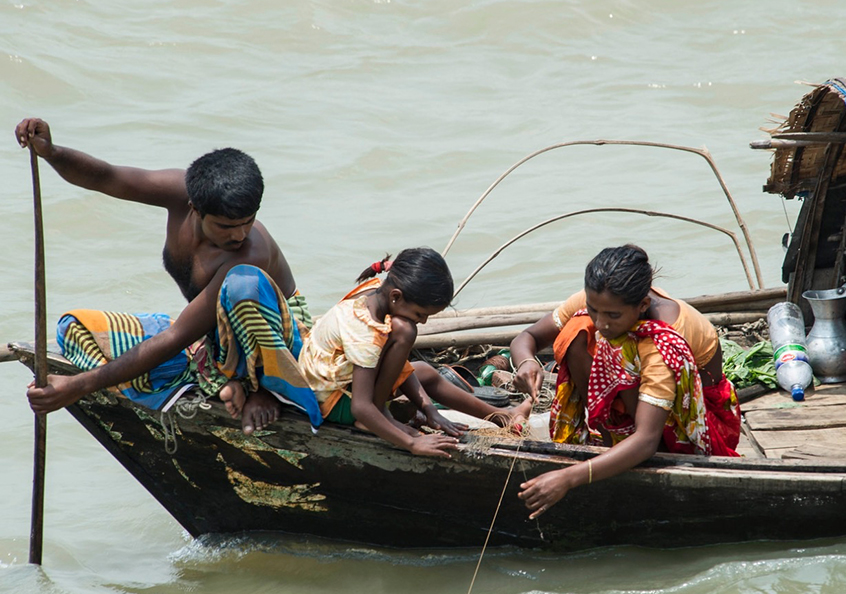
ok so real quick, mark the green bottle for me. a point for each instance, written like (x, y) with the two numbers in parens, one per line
(485, 374)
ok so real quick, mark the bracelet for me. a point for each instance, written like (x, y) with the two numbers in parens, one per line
(590, 471)
(520, 364)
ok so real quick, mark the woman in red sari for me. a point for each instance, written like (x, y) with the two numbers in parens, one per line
(638, 371)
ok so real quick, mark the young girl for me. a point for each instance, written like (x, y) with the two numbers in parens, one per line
(638, 371)
(356, 357)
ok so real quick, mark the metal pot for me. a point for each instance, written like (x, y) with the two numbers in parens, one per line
(827, 338)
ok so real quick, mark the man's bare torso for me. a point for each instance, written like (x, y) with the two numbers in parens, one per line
(193, 262)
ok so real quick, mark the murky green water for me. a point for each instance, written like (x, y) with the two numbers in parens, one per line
(377, 124)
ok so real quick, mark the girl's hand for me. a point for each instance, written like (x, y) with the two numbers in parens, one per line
(433, 445)
(544, 491)
(436, 420)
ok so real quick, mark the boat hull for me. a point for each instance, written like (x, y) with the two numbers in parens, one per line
(347, 485)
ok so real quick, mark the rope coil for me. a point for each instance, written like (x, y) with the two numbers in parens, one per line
(187, 409)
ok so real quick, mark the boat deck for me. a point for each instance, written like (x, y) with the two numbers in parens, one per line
(777, 427)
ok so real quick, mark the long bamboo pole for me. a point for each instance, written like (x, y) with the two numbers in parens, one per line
(459, 332)
(40, 445)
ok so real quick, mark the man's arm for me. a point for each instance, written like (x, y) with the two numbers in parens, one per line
(197, 319)
(164, 188)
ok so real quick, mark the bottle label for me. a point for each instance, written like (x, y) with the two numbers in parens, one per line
(790, 352)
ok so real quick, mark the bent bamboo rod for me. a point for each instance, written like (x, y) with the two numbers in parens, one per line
(649, 213)
(703, 152)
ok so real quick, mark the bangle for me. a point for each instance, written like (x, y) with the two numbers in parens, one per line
(590, 471)
(520, 364)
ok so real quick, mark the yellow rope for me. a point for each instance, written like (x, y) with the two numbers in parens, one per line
(502, 496)
(493, 521)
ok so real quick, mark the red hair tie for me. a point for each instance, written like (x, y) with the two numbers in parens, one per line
(380, 266)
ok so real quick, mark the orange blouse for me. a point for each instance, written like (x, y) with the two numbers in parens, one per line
(658, 385)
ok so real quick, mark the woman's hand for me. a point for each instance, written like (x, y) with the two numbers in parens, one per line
(528, 374)
(544, 491)
(433, 445)
(436, 420)
(529, 377)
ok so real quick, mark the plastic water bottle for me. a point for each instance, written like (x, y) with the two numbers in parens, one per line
(787, 335)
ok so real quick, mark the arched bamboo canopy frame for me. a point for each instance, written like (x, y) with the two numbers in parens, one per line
(703, 152)
(648, 213)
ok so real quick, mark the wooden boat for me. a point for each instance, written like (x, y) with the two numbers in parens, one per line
(348, 485)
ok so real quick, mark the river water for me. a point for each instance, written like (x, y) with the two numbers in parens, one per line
(377, 124)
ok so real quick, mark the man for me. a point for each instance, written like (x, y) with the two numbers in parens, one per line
(211, 230)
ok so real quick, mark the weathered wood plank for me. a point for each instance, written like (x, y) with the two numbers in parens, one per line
(823, 395)
(722, 302)
(467, 322)
(800, 417)
(771, 440)
(746, 449)
(750, 393)
(459, 339)
(812, 452)
(748, 439)
(779, 453)
(8, 351)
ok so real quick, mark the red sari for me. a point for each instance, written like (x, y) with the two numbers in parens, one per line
(704, 421)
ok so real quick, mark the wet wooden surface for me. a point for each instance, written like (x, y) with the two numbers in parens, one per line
(778, 427)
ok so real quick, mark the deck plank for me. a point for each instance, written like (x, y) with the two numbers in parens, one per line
(797, 417)
(813, 452)
(832, 438)
(823, 395)
(746, 449)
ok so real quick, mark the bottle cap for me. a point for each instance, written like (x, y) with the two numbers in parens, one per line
(798, 393)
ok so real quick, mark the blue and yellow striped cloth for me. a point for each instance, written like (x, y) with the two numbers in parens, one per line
(258, 339)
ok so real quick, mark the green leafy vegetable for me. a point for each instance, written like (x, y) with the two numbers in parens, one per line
(747, 367)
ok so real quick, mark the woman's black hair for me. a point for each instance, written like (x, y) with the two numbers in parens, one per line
(622, 271)
(420, 273)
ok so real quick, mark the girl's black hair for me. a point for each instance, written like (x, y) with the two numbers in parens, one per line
(623, 271)
(420, 273)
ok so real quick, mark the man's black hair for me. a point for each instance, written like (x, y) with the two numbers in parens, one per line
(225, 183)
